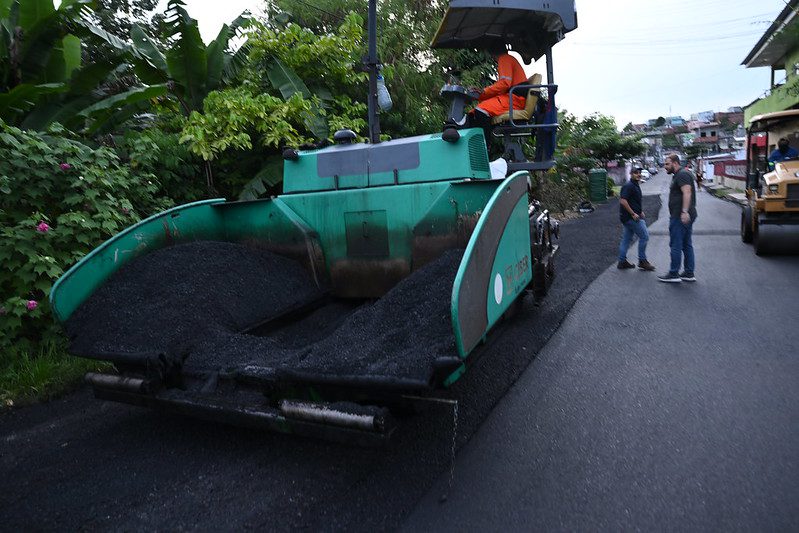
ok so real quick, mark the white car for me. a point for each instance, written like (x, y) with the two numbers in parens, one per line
(644, 175)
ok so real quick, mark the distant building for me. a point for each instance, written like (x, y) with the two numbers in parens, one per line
(675, 121)
(704, 116)
(777, 49)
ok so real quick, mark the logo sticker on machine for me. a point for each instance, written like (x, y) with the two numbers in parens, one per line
(498, 292)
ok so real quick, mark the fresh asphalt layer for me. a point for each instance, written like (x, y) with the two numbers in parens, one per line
(83, 464)
(655, 406)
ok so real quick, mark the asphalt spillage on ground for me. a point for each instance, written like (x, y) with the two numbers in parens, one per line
(79, 463)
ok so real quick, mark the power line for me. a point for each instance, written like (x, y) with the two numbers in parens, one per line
(670, 42)
(334, 15)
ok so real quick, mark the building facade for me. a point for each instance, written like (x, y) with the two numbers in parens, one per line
(778, 49)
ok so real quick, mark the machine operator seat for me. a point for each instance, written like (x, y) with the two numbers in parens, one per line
(528, 113)
(537, 110)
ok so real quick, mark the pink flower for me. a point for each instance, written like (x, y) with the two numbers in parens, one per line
(43, 227)
(65, 166)
(32, 304)
(125, 210)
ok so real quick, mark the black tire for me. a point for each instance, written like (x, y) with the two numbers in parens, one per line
(747, 232)
(539, 281)
(760, 244)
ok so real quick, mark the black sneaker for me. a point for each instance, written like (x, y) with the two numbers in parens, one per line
(671, 277)
(624, 265)
(687, 276)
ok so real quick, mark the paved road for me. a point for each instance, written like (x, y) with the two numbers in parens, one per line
(655, 406)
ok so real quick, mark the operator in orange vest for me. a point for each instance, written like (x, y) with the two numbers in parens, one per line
(493, 100)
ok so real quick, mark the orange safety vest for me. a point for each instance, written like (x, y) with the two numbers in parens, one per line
(494, 99)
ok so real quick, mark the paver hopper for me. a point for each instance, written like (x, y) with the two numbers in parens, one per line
(368, 223)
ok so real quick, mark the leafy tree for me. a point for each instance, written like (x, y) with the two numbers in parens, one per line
(43, 78)
(414, 73)
(594, 141)
(38, 54)
(670, 141)
(188, 69)
(583, 144)
(660, 121)
(274, 107)
(118, 18)
(693, 151)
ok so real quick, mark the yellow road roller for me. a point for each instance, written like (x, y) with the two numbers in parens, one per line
(770, 218)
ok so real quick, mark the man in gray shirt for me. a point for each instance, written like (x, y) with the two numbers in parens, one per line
(682, 213)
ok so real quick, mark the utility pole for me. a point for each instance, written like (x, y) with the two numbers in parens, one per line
(371, 67)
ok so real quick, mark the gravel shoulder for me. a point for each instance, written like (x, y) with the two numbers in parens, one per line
(79, 463)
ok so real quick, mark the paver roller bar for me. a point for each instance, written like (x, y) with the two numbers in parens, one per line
(308, 419)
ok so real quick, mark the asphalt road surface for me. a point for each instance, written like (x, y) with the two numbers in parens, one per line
(654, 407)
(80, 463)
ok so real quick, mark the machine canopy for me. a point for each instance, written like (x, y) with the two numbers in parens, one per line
(529, 27)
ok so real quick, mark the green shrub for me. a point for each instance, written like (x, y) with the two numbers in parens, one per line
(58, 199)
(562, 189)
(157, 150)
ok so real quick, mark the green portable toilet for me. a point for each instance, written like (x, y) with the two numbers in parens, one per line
(598, 185)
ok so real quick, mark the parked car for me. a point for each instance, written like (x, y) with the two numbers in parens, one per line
(645, 175)
(653, 170)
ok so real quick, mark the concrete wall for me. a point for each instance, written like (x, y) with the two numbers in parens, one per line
(731, 174)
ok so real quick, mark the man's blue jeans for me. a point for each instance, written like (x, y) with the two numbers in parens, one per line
(681, 245)
(631, 227)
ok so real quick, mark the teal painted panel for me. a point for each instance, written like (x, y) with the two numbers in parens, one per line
(425, 158)
(367, 234)
(496, 264)
(403, 206)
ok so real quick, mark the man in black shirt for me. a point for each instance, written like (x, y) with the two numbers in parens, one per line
(682, 213)
(631, 214)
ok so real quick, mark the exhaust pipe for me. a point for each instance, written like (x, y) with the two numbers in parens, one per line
(117, 383)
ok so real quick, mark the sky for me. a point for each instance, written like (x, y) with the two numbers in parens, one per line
(632, 59)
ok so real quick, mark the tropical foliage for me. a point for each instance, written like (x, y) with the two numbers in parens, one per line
(275, 107)
(58, 199)
(583, 144)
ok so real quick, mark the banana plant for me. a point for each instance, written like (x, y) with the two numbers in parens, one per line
(288, 84)
(41, 75)
(189, 68)
(38, 54)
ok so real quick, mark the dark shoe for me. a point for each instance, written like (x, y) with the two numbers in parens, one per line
(624, 265)
(687, 276)
(646, 265)
(671, 277)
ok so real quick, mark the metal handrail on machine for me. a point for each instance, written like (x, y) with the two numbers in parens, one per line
(551, 88)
